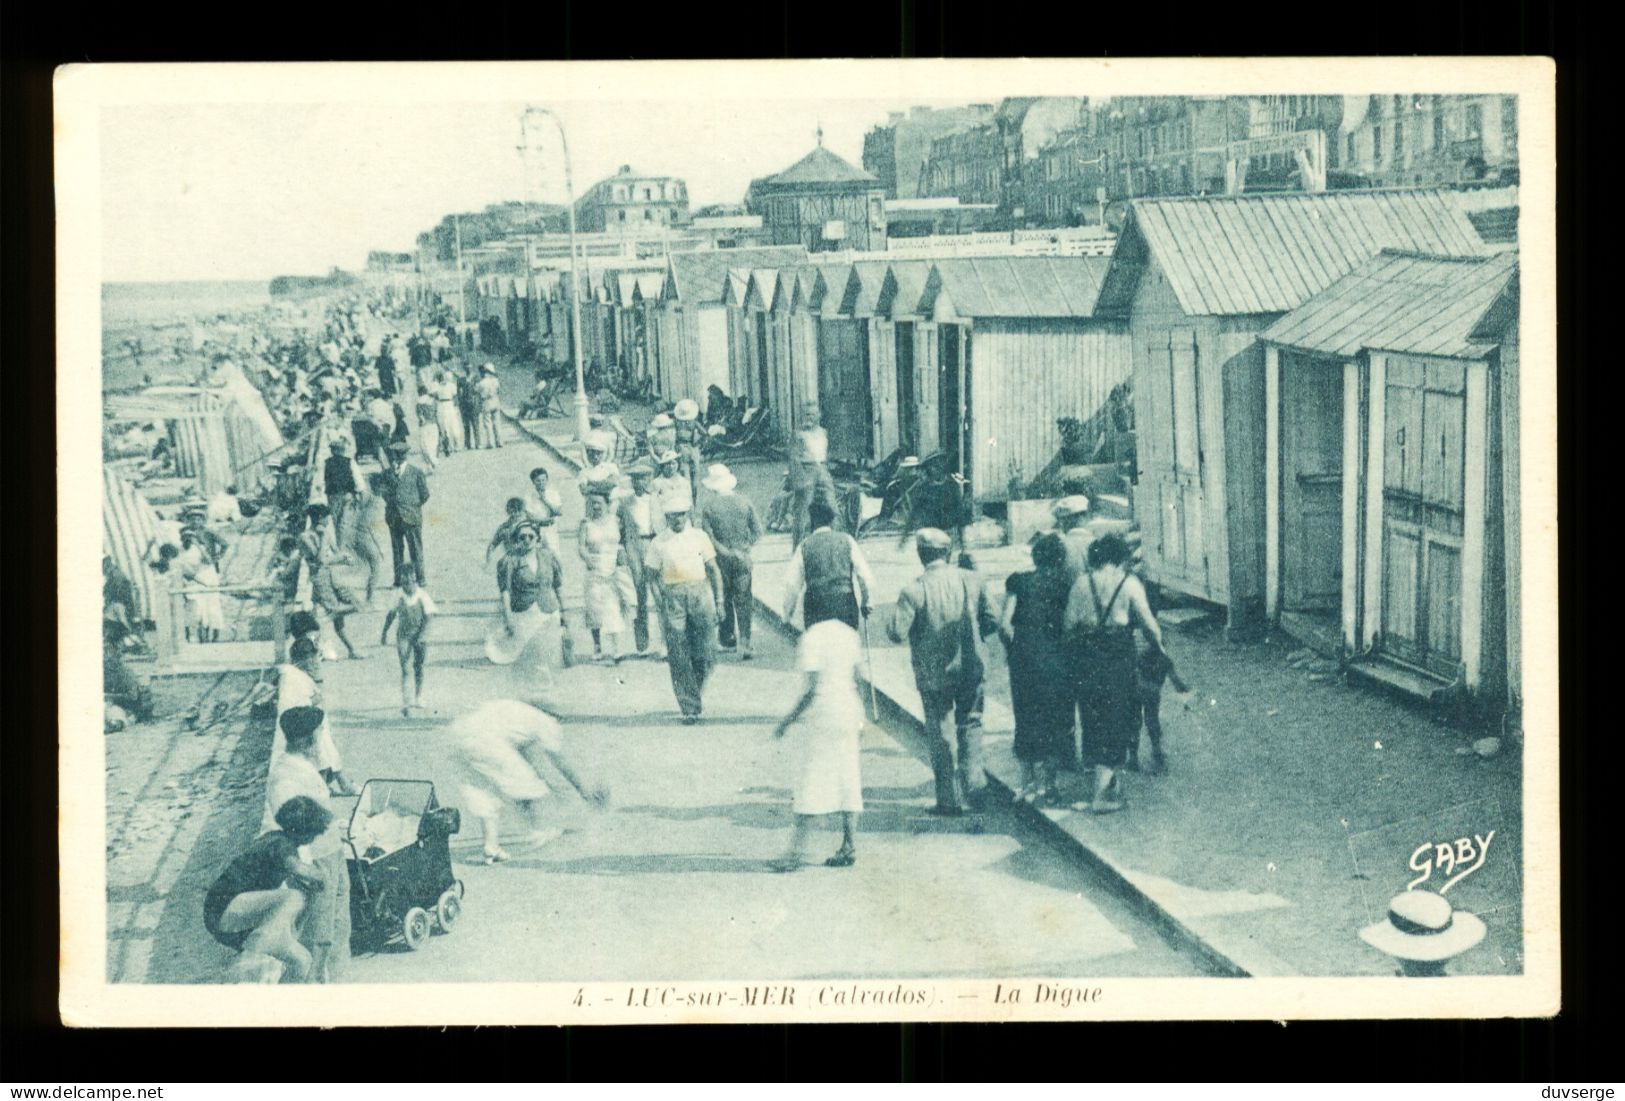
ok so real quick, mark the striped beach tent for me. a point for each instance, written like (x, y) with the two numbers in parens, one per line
(129, 525)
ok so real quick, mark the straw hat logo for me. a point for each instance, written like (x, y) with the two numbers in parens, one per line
(1422, 926)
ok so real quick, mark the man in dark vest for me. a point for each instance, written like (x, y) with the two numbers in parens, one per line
(822, 571)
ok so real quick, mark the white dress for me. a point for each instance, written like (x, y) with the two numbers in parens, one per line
(492, 753)
(608, 585)
(824, 741)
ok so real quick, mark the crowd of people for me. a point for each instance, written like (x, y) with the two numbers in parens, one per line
(665, 550)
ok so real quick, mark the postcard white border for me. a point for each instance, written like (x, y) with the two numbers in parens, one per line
(87, 999)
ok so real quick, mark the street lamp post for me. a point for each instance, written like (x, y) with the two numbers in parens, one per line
(583, 427)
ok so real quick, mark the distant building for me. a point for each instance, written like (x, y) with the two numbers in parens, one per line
(896, 153)
(632, 202)
(1027, 124)
(967, 165)
(821, 203)
(728, 230)
(390, 261)
(1406, 140)
(935, 217)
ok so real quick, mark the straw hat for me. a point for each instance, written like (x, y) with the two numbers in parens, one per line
(661, 420)
(719, 479)
(686, 410)
(640, 468)
(909, 461)
(1422, 926)
(1074, 505)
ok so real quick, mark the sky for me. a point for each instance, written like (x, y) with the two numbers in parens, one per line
(250, 191)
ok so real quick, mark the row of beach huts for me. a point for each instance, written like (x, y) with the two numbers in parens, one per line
(1325, 391)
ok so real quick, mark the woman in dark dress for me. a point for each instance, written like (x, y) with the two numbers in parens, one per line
(1106, 605)
(1040, 675)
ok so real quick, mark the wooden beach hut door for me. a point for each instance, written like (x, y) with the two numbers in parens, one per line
(953, 396)
(1422, 513)
(1180, 493)
(908, 410)
(763, 379)
(843, 389)
(1312, 486)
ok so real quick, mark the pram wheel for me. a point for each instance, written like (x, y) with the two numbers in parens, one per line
(415, 927)
(448, 909)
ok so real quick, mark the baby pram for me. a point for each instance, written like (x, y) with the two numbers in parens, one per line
(401, 881)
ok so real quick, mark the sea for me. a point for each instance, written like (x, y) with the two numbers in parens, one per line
(125, 304)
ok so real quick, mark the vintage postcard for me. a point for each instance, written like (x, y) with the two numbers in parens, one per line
(807, 541)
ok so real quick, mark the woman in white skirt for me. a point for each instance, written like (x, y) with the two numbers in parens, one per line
(448, 416)
(529, 583)
(827, 722)
(497, 752)
(609, 587)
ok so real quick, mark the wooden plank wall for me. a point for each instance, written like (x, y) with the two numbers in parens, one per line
(1026, 375)
(883, 379)
(1154, 314)
(1235, 419)
(1511, 511)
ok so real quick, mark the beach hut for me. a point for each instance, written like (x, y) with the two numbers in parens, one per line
(1013, 344)
(1197, 279)
(694, 328)
(915, 402)
(1387, 472)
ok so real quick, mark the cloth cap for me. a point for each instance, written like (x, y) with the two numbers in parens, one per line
(1074, 505)
(641, 467)
(1422, 926)
(719, 478)
(399, 447)
(934, 538)
(686, 410)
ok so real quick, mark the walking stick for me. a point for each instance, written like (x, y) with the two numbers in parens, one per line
(869, 662)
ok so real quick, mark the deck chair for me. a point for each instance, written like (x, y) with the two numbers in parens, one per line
(628, 444)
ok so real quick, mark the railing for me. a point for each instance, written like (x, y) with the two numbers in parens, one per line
(255, 631)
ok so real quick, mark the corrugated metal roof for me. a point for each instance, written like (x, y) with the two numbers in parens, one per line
(862, 294)
(1399, 301)
(698, 277)
(1251, 254)
(905, 286)
(1017, 286)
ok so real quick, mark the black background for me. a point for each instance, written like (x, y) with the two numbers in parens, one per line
(36, 1049)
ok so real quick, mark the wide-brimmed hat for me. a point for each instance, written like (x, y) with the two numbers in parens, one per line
(719, 478)
(686, 410)
(1422, 926)
(933, 537)
(661, 420)
(1074, 504)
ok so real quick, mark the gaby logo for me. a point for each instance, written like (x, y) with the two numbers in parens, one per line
(1454, 860)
